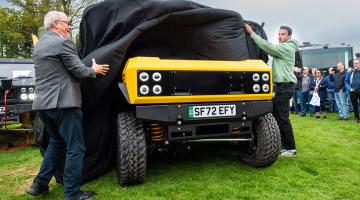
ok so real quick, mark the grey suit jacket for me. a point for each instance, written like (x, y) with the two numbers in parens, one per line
(58, 70)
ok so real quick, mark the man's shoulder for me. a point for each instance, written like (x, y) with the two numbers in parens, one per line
(292, 43)
(51, 38)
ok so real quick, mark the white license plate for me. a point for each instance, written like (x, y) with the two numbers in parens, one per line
(2, 110)
(212, 111)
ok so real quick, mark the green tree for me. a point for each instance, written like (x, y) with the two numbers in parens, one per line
(11, 38)
(25, 17)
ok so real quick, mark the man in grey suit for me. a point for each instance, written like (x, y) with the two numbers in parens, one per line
(58, 70)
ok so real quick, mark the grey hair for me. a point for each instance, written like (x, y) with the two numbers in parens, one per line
(50, 17)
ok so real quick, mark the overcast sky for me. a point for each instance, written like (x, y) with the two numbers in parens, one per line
(315, 21)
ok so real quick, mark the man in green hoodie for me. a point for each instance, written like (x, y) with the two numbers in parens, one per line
(284, 81)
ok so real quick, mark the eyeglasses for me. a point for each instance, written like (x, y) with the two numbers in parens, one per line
(65, 22)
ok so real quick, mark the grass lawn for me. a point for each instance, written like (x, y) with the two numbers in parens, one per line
(327, 167)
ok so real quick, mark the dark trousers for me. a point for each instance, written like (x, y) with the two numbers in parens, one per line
(355, 98)
(305, 105)
(331, 100)
(296, 97)
(64, 127)
(281, 107)
(322, 107)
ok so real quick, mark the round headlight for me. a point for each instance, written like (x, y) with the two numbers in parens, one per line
(265, 77)
(24, 96)
(31, 89)
(144, 76)
(256, 77)
(156, 77)
(23, 89)
(266, 88)
(256, 88)
(157, 89)
(144, 90)
(31, 96)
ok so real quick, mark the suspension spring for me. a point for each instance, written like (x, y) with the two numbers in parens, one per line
(157, 132)
(25, 120)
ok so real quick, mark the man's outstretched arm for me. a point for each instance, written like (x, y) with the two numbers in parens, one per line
(274, 50)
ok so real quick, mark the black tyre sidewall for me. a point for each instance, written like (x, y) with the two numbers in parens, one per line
(267, 140)
(131, 150)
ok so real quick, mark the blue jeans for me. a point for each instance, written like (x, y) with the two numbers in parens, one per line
(311, 107)
(64, 127)
(348, 101)
(341, 102)
(332, 104)
(296, 97)
(305, 105)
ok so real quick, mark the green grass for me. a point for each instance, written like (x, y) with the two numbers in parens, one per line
(327, 167)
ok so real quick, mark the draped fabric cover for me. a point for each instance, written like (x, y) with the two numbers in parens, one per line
(114, 30)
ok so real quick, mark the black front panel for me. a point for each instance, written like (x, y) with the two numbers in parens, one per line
(186, 83)
(201, 83)
(14, 96)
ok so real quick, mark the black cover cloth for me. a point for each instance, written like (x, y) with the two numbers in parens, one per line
(114, 30)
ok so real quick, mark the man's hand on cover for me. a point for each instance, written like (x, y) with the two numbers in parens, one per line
(248, 29)
(100, 68)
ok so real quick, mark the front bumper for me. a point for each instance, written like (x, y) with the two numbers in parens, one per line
(17, 109)
(179, 126)
(13, 113)
(171, 114)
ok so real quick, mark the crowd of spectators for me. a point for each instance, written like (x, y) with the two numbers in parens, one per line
(337, 87)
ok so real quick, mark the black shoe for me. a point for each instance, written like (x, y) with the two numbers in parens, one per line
(340, 118)
(36, 189)
(317, 117)
(345, 119)
(325, 117)
(87, 195)
(302, 115)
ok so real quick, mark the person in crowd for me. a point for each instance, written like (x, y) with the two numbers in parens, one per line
(58, 70)
(284, 80)
(347, 93)
(352, 82)
(306, 80)
(339, 88)
(297, 93)
(313, 70)
(330, 92)
(319, 85)
(311, 108)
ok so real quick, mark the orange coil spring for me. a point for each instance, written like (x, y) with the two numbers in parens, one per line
(236, 130)
(25, 120)
(156, 132)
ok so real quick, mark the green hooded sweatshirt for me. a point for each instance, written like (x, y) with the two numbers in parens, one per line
(283, 58)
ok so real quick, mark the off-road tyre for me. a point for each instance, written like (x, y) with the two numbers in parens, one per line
(131, 150)
(266, 143)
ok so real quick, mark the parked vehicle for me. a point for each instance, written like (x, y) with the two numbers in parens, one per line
(17, 86)
(185, 101)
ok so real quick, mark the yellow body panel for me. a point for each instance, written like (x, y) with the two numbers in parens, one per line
(154, 63)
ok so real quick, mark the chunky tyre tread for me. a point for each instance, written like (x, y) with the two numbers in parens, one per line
(131, 150)
(268, 143)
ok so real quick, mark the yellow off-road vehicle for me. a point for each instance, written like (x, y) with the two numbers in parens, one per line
(195, 100)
